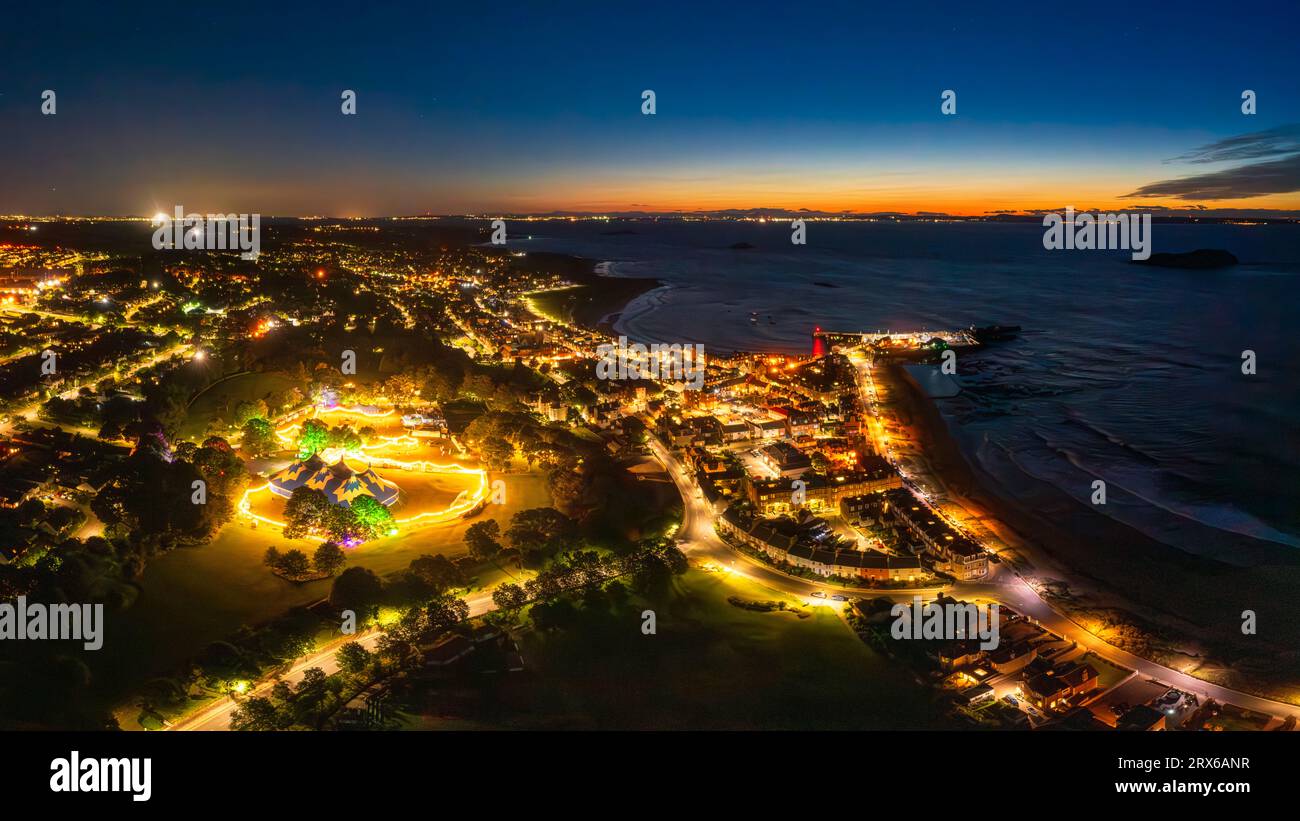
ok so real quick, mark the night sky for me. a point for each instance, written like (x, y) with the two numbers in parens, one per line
(485, 107)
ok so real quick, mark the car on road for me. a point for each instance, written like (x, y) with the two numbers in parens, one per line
(838, 597)
(817, 594)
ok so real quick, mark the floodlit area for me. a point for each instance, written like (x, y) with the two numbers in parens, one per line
(418, 474)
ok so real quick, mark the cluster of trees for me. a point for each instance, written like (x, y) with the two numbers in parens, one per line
(154, 499)
(315, 436)
(500, 435)
(327, 560)
(315, 698)
(424, 579)
(583, 480)
(535, 535)
(421, 625)
(304, 706)
(651, 566)
(258, 437)
(310, 511)
(454, 376)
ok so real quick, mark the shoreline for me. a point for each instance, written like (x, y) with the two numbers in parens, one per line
(1089, 566)
(597, 298)
(1091, 569)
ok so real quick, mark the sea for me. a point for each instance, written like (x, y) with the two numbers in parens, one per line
(1125, 373)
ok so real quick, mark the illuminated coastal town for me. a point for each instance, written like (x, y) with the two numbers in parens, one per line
(412, 439)
(546, 402)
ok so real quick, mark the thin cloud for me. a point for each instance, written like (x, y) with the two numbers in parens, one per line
(1281, 140)
(1279, 174)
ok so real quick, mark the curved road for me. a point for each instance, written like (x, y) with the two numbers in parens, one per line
(1003, 587)
(700, 539)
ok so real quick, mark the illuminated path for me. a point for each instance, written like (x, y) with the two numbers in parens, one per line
(463, 503)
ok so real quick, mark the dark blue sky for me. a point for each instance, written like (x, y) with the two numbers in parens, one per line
(484, 107)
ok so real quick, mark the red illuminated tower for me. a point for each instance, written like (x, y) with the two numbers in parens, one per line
(819, 342)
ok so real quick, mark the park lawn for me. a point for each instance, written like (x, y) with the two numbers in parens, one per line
(219, 400)
(712, 665)
(192, 597)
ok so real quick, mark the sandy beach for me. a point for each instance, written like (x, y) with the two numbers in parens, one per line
(1136, 593)
(597, 298)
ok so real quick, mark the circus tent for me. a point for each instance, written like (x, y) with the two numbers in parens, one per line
(339, 482)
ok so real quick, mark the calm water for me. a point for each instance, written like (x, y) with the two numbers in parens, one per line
(1125, 373)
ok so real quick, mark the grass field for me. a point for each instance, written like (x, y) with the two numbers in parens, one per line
(219, 400)
(192, 597)
(714, 665)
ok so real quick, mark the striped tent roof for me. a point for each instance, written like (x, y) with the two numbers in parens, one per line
(339, 482)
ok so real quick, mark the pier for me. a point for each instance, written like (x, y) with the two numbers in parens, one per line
(896, 342)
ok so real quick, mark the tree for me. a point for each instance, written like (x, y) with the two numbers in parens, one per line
(312, 438)
(437, 573)
(655, 568)
(313, 679)
(509, 597)
(444, 612)
(372, 516)
(496, 453)
(305, 511)
(401, 388)
(353, 658)
(221, 468)
(341, 525)
(567, 486)
(356, 588)
(258, 438)
(443, 384)
(294, 563)
(540, 530)
(281, 692)
(247, 409)
(617, 592)
(256, 713)
(481, 539)
(344, 438)
(328, 558)
(273, 558)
